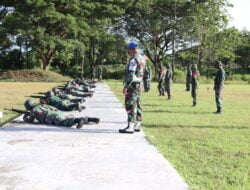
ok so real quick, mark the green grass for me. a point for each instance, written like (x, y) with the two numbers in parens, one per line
(32, 76)
(12, 95)
(209, 151)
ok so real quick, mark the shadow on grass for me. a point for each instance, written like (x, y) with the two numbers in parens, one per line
(199, 127)
(177, 112)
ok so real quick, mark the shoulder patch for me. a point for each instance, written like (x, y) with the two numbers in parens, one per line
(132, 65)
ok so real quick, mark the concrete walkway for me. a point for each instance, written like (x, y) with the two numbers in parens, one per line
(96, 157)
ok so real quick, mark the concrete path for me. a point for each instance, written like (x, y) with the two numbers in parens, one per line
(96, 157)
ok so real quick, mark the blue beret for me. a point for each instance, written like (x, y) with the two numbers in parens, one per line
(132, 45)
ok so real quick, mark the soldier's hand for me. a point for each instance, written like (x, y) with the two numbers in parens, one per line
(125, 90)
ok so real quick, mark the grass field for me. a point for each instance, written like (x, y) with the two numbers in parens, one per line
(210, 151)
(12, 95)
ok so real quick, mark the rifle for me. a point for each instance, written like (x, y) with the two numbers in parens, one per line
(36, 96)
(41, 93)
(17, 111)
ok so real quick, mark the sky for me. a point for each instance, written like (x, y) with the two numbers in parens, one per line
(240, 14)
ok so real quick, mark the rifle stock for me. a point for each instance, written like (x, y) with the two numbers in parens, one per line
(17, 111)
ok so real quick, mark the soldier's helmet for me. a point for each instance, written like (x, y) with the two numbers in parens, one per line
(28, 104)
(218, 63)
(50, 93)
(168, 66)
(194, 67)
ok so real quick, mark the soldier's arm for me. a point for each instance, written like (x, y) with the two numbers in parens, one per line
(29, 118)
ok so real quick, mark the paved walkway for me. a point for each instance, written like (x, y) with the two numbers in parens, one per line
(96, 157)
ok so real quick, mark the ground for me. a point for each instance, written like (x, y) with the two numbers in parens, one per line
(13, 95)
(209, 151)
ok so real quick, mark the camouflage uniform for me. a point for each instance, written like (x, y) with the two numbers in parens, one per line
(49, 115)
(133, 85)
(161, 85)
(79, 93)
(188, 78)
(218, 86)
(194, 83)
(168, 81)
(64, 105)
(147, 79)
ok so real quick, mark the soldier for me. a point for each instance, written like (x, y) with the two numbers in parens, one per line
(147, 79)
(194, 83)
(61, 104)
(188, 78)
(61, 94)
(132, 90)
(49, 115)
(218, 86)
(79, 93)
(161, 77)
(168, 81)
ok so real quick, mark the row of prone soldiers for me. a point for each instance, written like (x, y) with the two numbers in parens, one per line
(165, 80)
(54, 103)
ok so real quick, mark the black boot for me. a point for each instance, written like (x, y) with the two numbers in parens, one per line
(81, 121)
(194, 103)
(129, 129)
(94, 120)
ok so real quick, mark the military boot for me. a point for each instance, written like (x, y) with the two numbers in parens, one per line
(94, 120)
(137, 126)
(128, 129)
(81, 121)
(219, 111)
(194, 103)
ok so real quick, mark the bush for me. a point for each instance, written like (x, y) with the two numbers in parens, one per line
(113, 71)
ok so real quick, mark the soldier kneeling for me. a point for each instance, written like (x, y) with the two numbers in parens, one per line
(52, 116)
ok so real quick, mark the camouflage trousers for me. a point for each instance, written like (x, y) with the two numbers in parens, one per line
(66, 105)
(188, 85)
(146, 83)
(80, 94)
(218, 99)
(168, 88)
(161, 88)
(194, 89)
(58, 119)
(133, 106)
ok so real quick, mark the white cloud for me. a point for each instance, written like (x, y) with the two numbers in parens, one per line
(240, 14)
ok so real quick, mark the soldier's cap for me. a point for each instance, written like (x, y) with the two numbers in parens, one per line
(218, 63)
(29, 104)
(132, 45)
(194, 66)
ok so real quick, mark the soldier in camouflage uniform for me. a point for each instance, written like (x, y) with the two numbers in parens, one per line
(61, 94)
(161, 77)
(132, 90)
(218, 86)
(79, 93)
(147, 79)
(61, 104)
(194, 83)
(188, 78)
(168, 81)
(52, 116)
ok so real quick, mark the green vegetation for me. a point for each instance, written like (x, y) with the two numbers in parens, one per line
(78, 37)
(32, 76)
(209, 151)
(13, 95)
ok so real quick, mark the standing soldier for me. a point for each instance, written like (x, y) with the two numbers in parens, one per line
(168, 81)
(161, 87)
(147, 79)
(194, 83)
(218, 86)
(188, 78)
(132, 90)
